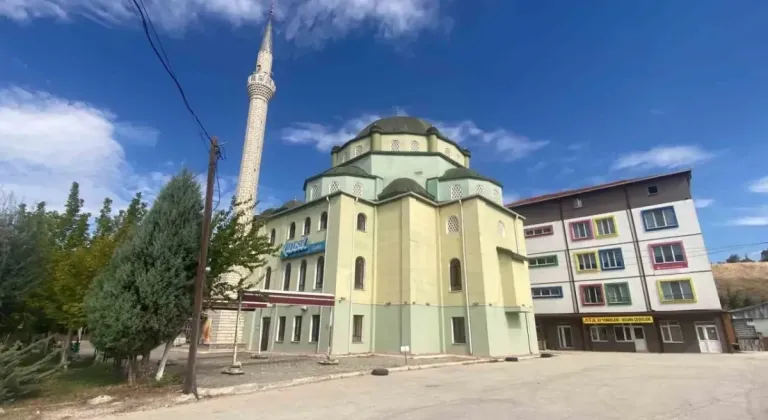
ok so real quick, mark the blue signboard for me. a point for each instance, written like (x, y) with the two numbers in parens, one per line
(301, 247)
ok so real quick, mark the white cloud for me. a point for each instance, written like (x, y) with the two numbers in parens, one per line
(506, 144)
(46, 142)
(665, 157)
(758, 217)
(702, 203)
(309, 21)
(759, 185)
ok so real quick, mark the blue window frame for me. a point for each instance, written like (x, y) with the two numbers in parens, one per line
(552, 292)
(659, 218)
(611, 259)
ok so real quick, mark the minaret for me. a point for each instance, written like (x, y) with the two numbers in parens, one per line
(261, 87)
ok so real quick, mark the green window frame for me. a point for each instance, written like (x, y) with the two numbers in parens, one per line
(542, 261)
(617, 294)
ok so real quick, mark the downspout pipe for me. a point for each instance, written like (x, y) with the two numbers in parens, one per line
(322, 289)
(466, 280)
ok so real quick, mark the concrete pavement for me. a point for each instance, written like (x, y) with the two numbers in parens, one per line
(570, 386)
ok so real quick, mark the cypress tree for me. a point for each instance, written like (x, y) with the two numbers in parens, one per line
(144, 296)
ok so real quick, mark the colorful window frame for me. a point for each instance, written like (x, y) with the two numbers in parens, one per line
(667, 265)
(604, 257)
(543, 261)
(596, 230)
(592, 286)
(547, 292)
(661, 209)
(689, 298)
(621, 286)
(586, 270)
(545, 230)
(590, 229)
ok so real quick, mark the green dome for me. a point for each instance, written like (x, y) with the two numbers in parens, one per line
(465, 173)
(350, 170)
(402, 186)
(400, 125)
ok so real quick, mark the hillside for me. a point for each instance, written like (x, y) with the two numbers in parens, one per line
(743, 279)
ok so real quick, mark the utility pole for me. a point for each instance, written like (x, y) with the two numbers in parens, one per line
(190, 381)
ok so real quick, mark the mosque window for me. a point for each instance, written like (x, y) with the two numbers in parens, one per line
(287, 277)
(361, 221)
(307, 226)
(358, 150)
(358, 189)
(333, 188)
(395, 145)
(267, 277)
(502, 229)
(272, 237)
(319, 272)
(455, 275)
(302, 275)
(453, 224)
(359, 273)
(496, 195)
(448, 152)
(323, 221)
(455, 192)
(292, 231)
(344, 157)
(414, 146)
(479, 189)
(313, 192)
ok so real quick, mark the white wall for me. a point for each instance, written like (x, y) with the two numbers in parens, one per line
(563, 305)
(549, 274)
(546, 244)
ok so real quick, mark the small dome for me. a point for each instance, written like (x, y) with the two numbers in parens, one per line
(465, 173)
(408, 125)
(350, 170)
(402, 186)
(290, 204)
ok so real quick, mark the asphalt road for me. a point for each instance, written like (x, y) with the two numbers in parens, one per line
(571, 386)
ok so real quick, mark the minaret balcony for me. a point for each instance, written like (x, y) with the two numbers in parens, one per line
(261, 79)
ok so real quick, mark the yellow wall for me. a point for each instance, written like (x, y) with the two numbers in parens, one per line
(389, 264)
(423, 249)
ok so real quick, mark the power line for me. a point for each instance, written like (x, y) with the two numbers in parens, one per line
(166, 65)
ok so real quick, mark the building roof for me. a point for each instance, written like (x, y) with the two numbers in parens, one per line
(578, 191)
(402, 186)
(464, 173)
(409, 125)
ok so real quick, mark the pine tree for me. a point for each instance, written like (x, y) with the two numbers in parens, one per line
(144, 296)
(18, 379)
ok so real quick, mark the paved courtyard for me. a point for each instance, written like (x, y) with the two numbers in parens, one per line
(569, 386)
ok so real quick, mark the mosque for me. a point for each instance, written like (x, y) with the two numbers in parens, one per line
(398, 247)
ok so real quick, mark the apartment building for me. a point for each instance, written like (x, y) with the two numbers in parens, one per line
(622, 267)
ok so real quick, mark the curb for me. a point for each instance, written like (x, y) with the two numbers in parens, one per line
(256, 387)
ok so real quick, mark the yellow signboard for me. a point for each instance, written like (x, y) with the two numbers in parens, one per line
(618, 319)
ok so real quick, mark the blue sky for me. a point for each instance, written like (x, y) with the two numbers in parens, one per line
(548, 95)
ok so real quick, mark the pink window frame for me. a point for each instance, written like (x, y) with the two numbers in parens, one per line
(591, 230)
(668, 265)
(551, 231)
(583, 296)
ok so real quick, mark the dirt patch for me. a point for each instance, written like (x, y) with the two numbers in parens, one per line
(745, 278)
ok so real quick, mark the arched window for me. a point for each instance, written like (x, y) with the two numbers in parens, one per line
(272, 237)
(319, 272)
(302, 275)
(359, 273)
(395, 145)
(358, 150)
(267, 278)
(479, 189)
(358, 189)
(323, 221)
(307, 226)
(287, 277)
(453, 225)
(502, 229)
(448, 152)
(414, 146)
(292, 231)
(455, 274)
(361, 219)
(313, 192)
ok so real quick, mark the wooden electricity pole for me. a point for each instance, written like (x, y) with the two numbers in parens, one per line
(190, 381)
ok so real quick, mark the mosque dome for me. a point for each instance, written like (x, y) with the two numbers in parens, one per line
(402, 186)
